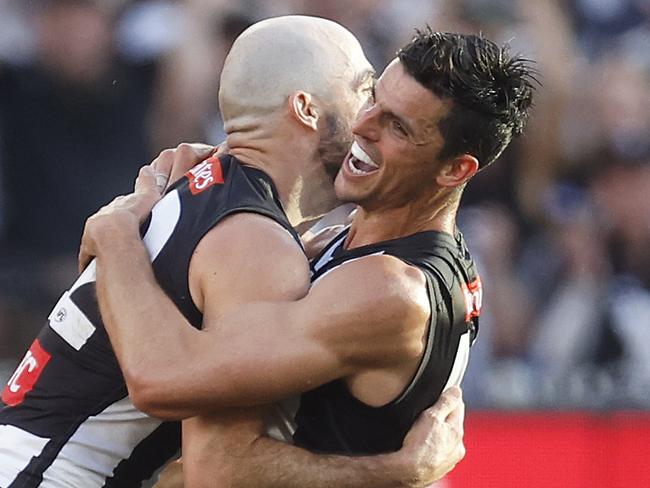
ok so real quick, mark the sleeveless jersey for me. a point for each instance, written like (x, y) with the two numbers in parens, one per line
(330, 419)
(67, 419)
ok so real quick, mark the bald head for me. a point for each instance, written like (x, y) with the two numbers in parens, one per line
(279, 56)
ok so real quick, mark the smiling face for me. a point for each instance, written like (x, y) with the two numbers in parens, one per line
(394, 158)
(336, 130)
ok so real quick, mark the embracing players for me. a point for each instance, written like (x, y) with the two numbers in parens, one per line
(218, 240)
(393, 307)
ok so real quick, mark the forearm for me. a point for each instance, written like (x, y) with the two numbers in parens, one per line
(146, 329)
(160, 352)
(271, 463)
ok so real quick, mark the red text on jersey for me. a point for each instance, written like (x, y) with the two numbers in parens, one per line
(26, 375)
(473, 298)
(204, 175)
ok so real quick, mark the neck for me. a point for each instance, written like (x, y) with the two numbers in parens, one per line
(290, 161)
(372, 226)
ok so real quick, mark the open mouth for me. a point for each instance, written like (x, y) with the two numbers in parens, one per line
(359, 163)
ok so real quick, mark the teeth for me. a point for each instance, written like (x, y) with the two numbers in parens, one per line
(361, 155)
(353, 168)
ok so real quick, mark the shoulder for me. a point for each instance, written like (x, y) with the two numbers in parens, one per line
(386, 307)
(247, 251)
(253, 237)
(249, 228)
(387, 281)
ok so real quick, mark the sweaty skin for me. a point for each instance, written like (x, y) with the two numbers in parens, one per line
(233, 451)
(371, 335)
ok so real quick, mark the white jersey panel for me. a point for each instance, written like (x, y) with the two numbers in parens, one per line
(164, 217)
(98, 446)
(17, 447)
(67, 320)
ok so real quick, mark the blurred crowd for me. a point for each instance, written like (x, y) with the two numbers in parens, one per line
(92, 89)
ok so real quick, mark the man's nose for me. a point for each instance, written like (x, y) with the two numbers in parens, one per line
(367, 123)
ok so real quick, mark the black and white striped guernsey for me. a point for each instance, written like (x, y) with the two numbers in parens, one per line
(66, 419)
(330, 419)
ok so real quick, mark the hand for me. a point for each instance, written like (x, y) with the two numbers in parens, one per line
(122, 217)
(434, 445)
(172, 164)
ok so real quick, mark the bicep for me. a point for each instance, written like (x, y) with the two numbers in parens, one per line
(248, 259)
(258, 354)
(356, 317)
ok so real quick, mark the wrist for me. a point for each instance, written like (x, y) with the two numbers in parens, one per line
(117, 237)
(402, 471)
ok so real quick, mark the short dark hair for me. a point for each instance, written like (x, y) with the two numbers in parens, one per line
(491, 91)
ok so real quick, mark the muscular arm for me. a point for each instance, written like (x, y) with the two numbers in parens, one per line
(272, 464)
(236, 454)
(369, 313)
(430, 450)
(357, 315)
(246, 257)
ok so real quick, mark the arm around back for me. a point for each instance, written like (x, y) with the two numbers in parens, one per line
(245, 257)
(368, 313)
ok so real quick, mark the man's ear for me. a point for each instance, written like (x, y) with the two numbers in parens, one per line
(304, 110)
(456, 171)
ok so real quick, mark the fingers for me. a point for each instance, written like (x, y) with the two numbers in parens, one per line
(457, 417)
(146, 181)
(84, 258)
(172, 164)
(161, 182)
(186, 157)
(221, 149)
(162, 167)
(446, 404)
(194, 151)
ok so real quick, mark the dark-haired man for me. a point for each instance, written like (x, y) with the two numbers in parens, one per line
(217, 241)
(395, 299)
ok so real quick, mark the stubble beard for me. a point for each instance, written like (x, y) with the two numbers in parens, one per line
(334, 144)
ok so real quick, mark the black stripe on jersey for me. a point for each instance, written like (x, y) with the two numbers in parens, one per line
(330, 418)
(162, 443)
(82, 378)
(32, 475)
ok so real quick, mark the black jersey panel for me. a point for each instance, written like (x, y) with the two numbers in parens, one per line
(330, 419)
(67, 401)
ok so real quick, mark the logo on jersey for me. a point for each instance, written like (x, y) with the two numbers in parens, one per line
(204, 175)
(26, 375)
(473, 298)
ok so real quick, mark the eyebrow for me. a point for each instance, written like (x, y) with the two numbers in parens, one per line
(403, 121)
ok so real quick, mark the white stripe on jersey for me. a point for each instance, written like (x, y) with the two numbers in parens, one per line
(88, 276)
(460, 363)
(98, 446)
(67, 320)
(164, 217)
(280, 423)
(70, 322)
(378, 253)
(327, 257)
(17, 447)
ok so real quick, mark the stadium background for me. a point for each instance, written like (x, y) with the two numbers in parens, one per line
(558, 388)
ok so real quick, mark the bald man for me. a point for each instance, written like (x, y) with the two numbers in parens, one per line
(219, 239)
(393, 308)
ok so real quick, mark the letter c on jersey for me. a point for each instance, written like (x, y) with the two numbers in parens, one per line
(26, 374)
